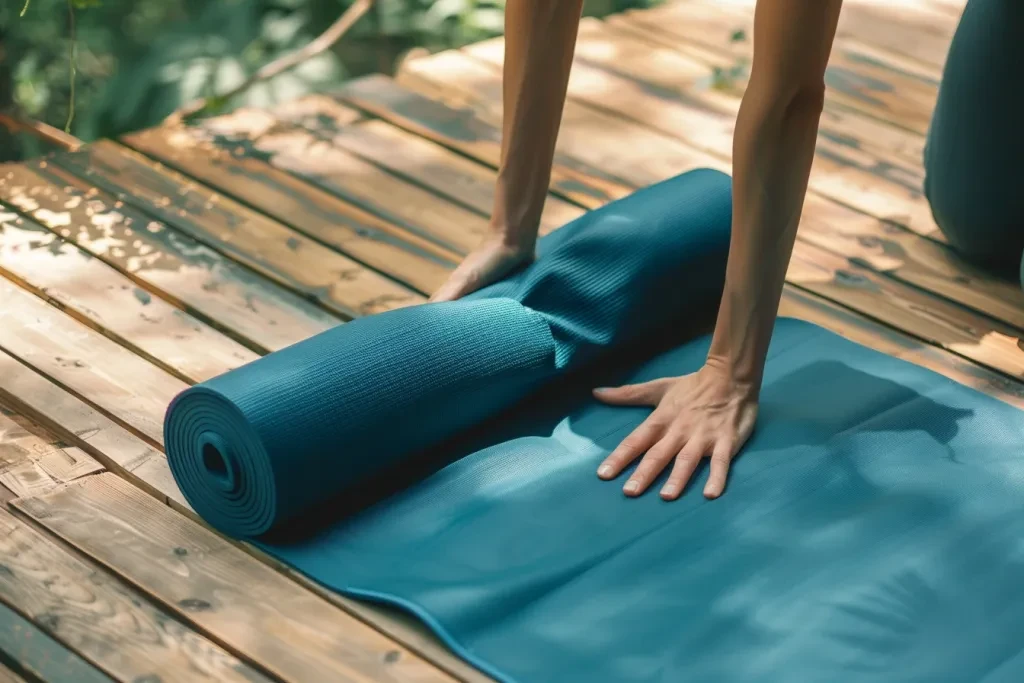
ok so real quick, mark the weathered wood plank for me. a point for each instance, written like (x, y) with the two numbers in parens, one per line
(931, 318)
(864, 127)
(918, 313)
(916, 32)
(588, 138)
(885, 248)
(317, 117)
(276, 251)
(133, 390)
(103, 298)
(440, 169)
(189, 570)
(345, 175)
(462, 131)
(227, 154)
(226, 295)
(8, 676)
(871, 85)
(797, 303)
(887, 189)
(114, 627)
(34, 462)
(85, 428)
(39, 655)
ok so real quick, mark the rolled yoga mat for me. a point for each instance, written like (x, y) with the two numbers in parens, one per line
(872, 529)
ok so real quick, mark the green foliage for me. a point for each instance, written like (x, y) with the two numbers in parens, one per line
(105, 67)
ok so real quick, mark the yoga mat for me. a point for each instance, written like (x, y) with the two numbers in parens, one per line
(442, 459)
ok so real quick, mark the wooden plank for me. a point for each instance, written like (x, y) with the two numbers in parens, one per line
(872, 243)
(85, 428)
(587, 138)
(316, 115)
(462, 131)
(114, 627)
(226, 154)
(704, 119)
(33, 461)
(440, 169)
(163, 262)
(931, 318)
(284, 255)
(103, 298)
(917, 33)
(869, 84)
(288, 631)
(133, 390)
(39, 655)
(927, 317)
(797, 303)
(862, 127)
(410, 209)
(904, 256)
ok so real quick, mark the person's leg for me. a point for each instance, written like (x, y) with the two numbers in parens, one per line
(974, 159)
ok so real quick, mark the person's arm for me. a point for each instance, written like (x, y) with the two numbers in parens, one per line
(540, 38)
(712, 412)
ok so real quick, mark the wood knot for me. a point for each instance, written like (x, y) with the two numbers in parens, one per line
(392, 656)
(195, 605)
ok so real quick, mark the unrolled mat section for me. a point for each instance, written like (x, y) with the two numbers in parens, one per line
(442, 458)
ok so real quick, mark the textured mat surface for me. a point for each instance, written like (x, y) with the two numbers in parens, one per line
(442, 458)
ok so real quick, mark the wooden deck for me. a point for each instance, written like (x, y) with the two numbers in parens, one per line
(130, 269)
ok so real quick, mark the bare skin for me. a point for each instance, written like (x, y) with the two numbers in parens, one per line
(712, 412)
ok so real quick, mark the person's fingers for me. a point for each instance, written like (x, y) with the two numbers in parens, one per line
(721, 457)
(644, 394)
(686, 462)
(658, 456)
(630, 448)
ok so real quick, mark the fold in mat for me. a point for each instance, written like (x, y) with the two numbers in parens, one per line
(872, 529)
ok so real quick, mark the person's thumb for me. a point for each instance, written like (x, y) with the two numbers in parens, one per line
(645, 394)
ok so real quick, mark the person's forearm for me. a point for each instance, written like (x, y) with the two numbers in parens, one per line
(540, 37)
(773, 149)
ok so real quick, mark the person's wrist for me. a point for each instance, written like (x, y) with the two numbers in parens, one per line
(742, 378)
(516, 239)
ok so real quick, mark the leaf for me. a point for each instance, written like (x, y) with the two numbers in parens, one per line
(738, 36)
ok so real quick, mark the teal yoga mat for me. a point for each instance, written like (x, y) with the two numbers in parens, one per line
(442, 458)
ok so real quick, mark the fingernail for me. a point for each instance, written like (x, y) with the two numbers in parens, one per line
(601, 390)
(604, 470)
(631, 486)
(669, 491)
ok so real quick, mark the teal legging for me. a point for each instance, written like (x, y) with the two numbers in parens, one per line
(974, 157)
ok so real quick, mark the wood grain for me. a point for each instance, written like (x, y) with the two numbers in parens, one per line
(463, 131)
(268, 247)
(79, 358)
(163, 262)
(39, 655)
(226, 155)
(115, 628)
(189, 570)
(34, 462)
(900, 28)
(704, 119)
(103, 298)
(336, 169)
(84, 427)
(870, 84)
(840, 124)
(452, 175)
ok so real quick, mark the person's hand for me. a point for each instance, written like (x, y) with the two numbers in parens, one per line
(488, 263)
(707, 413)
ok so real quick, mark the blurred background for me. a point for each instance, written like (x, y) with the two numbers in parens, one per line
(103, 67)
